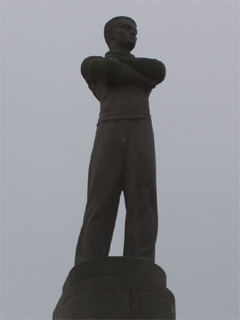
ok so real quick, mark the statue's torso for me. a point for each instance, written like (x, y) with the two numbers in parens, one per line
(121, 101)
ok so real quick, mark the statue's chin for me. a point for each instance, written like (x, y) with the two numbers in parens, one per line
(130, 45)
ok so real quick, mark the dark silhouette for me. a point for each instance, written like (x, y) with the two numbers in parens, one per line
(123, 156)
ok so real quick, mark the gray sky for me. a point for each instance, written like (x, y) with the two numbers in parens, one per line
(48, 123)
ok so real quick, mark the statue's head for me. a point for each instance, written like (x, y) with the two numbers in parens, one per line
(120, 33)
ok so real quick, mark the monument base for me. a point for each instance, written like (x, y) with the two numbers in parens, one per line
(116, 288)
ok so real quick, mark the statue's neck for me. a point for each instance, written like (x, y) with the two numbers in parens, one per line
(117, 54)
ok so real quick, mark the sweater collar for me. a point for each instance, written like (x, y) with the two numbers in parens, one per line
(117, 54)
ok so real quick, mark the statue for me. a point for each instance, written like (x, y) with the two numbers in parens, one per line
(122, 160)
(123, 156)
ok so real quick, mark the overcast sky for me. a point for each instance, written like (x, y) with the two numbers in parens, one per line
(49, 120)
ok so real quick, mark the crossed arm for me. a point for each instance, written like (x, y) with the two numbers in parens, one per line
(151, 68)
(145, 72)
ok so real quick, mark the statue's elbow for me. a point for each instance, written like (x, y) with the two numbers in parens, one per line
(161, 74)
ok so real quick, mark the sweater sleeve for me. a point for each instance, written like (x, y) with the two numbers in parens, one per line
(98, 68)
(151, 68)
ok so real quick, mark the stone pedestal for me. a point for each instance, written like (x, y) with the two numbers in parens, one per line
(116, 288)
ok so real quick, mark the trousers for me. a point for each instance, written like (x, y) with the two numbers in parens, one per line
(122, 160)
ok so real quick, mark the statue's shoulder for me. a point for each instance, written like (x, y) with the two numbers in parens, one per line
(88, 68)
(87, 62)
(91, 58)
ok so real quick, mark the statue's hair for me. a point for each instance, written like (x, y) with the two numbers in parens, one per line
(110, 25)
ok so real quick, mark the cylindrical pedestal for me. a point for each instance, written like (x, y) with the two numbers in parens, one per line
(116, 288)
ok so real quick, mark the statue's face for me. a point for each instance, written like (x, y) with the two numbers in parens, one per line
(124, 34)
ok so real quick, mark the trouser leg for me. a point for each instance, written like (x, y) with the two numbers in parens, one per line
(140, 193)
(104, 189)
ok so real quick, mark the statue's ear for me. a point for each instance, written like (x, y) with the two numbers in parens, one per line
(111, 34)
